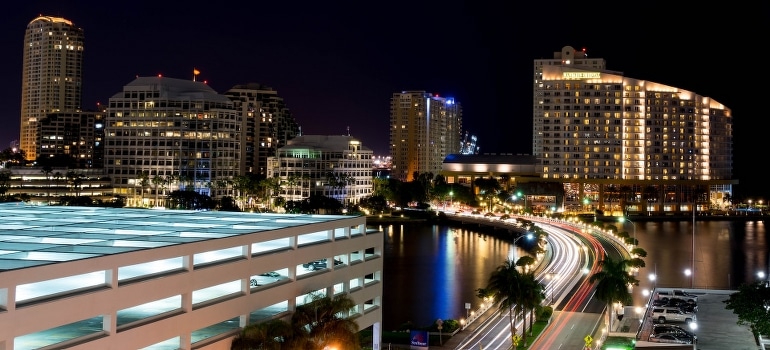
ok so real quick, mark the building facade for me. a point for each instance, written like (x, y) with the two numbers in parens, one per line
(178, 134)
(424, 129)
(114, 278)
(269, 124)
(79, 135)
(335, 166)
(41, 186)
(51, 75)
(567, 56)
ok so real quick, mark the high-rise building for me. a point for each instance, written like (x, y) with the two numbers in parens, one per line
(268, 124)
(164, 134)
(52, 75)
(568, 56)
(79, 135)
(335, 166)
(424, 129)
(600, 132)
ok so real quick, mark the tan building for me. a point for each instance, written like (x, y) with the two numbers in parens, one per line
(51, 76)
(424, 129)
(269, 124)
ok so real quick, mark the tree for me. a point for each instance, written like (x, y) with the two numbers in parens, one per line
(268, 335)
(612, 283)
(5, 181)
(324, 322)
(505, 285)
(488, 189)
(533, 294)
(752, 305)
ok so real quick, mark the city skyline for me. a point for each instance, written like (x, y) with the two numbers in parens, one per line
(336, 66)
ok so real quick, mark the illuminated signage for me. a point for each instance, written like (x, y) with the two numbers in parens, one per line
(581, 75)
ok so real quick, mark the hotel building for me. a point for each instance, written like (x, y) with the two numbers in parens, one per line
(180, 131)
(424, 129)
(335, 166)
(115, 278)
(618, 144)
(51, 75)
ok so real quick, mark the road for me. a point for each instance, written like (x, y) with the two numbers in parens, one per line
(571, 257)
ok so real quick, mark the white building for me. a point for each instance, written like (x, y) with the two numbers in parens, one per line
(105, 278)
(335, 166)
(181, 133)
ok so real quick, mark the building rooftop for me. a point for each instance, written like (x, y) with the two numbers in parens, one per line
(42, 235)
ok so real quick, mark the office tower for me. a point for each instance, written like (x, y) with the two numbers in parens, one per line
(165, 134)
(79, 135)
(424, 129)
(268, 124)
(335, 166)
(568, 56)
(52, 75)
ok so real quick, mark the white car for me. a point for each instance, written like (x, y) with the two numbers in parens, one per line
(663, 314)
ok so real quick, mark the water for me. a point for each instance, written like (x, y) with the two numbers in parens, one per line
(431, 271)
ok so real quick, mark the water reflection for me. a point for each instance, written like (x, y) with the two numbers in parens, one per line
(431, 271)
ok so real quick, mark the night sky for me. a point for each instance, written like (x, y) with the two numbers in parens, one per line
(337, 63)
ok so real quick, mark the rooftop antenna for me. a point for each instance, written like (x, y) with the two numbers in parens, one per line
(300, 131)
(348, 130)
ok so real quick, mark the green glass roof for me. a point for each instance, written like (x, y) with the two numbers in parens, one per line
(41, 235)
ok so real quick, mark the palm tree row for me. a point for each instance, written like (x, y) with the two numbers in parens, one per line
(516, 293)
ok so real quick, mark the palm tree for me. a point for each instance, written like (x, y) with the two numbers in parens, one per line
(325, 321)
(612, 283)
(267, 335)
(505, 285)
(533, 294)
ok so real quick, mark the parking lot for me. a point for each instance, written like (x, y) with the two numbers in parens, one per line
(717, 327)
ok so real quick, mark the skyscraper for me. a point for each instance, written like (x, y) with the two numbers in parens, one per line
(424, 129)
(268, 124)
(51, 76)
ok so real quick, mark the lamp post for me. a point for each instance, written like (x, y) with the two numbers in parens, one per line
(451, 199)
(518, 193)
(623, 219)
(529, 236)
(439, 324)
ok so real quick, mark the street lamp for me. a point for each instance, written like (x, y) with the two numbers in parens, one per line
(525, 199)
(688, 273)
(623, 219)
(528, 236)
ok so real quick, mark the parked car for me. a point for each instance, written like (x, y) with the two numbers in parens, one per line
(670, 338)
(677, 293)
(265, 278)
(674, 329)
(665, 314)
(319, 264)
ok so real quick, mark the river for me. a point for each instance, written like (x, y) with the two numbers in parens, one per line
(431, 271)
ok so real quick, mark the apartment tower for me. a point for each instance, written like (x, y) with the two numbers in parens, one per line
(424, 129)
(269, 124)
(51, 76)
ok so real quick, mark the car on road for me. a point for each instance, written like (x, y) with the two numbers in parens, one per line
(670, 338)
(663, 314)
(319, 264)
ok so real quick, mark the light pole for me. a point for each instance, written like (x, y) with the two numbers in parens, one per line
(451, 199)
(623, 219)
(518, 193)
(529, 236)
